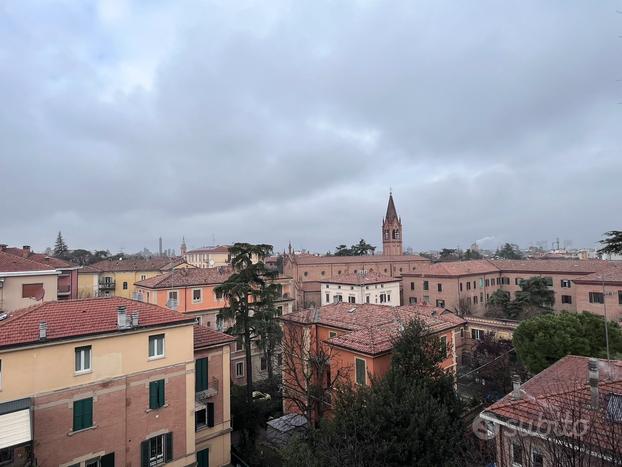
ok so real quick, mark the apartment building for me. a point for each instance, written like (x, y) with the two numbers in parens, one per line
(362, 287)
(601, 292)
(207, 257)
(467, 285)
(193, 291)
(116, 277)
(212, 352)
(568, 414)
(360, 339)
(97, 382)
(67, 286)
(24, 282)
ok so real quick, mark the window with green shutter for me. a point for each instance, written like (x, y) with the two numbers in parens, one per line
(360, 371)
(82, 414)
(156, 394)
(200, 370)
(203, 458)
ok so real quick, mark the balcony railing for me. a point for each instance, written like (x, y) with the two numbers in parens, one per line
(211, 391)
(103, 285)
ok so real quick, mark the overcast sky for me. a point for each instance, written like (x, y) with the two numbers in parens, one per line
(273, 121)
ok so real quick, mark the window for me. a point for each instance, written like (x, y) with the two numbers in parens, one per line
(239, 369)
(124, 285)
(619, 297)
(204, 417)
(517, 454)
(468, 285)
(506, 281)
(360, 372)
(597, 297)
(481, 297)
(6, 456)
(32, 290)
(460, 286)
(383, 297)
(474, 285)
(518, 280)
(443, 340)
(306, 273)
(566, 299)
(439, 287)
(219, 294)
(440, 303)
(412, 300)
(426, 299)
(196, 295)
(351, 299)
(263, 364)
(143, 277)
(203, 458)
(239, 345)
(549, 281)
(537, 459)
(565, 283)
(172, 295)
(220, 323)
(322, 273)
(156, 394)
(82, 414)
(156, 346)
(327, 297)
(487, 282)
(481, 282)
(337, 298)
(426, 285)
(412, 286)
(83, 359)
(201, 374)
(157, 450)
(389, 298)
(332, 334)
(475, 300)
(367, 299)
(477, 333)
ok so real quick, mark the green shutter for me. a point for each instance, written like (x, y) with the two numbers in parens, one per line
(168, 454)
(203, 458)
(360, 371)
(88, 413)
(144, 453)
(77, 415)
(161, 393)
(107, 460)
(201, 374)
(210, 414)
(82, 414)
(153, 395)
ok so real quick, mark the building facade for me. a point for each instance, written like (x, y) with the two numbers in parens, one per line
(601, 293)
(362, 288)
(121, 392)
(208, 257)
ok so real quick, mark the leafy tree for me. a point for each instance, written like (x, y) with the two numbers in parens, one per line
(60, 247)
(613, 244)
(100, 255)
(509, 251)
(542, 340)
(80, 256)
(498, 304)
(361, 248)
(472, 254)
(412, 416)
(248, 292)
(449, 254)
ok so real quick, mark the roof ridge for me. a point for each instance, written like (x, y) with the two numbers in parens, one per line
(21, 258)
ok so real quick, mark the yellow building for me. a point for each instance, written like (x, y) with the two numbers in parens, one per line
(103, 381)
(117, 277)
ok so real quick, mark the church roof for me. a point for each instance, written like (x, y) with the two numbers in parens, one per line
(391, 211)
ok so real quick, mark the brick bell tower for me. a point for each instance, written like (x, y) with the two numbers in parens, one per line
(392, 231)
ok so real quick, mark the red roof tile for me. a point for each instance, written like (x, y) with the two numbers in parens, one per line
(454, 268)
(373, 327)
(567, 266)
(310, 259)
(110, 265)
(187, 277)
(613, 273)
(13, 263)
(82, 317)
(362, 279)
(207, 337)
(39, 257)
(210, 249)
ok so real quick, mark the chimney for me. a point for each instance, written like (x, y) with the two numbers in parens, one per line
(516, 391)
(135, 319)
(121, 317)
(26, 251)
(3, 246)
(43, 330)
(593, 376)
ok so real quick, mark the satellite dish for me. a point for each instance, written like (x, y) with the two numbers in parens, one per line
(211, 263)
(40, 294)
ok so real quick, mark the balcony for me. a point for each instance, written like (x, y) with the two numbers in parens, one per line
(106, 285)
(212, 390)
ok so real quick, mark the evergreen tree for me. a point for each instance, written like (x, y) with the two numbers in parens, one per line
(613, 244)
(60, 247)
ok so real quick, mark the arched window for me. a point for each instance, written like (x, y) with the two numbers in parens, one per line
(386, 234)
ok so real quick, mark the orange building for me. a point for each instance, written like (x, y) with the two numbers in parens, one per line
(359, 339)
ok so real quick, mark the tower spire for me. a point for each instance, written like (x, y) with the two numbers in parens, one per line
(392, 230)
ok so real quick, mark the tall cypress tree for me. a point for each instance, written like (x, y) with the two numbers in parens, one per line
(60, 247)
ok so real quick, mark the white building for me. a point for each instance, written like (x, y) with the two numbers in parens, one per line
(362, 287)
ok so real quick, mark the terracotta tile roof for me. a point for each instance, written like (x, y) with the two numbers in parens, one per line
(611, 274)
(187, 277)
(39, 257)
(373, 327)
(207, 337)
(309, 259)
(568, 266)
(13, 263)
(563, 388)
(109, 265)
(211, 249)
(454, 268)
(361, 279)
(83, 317)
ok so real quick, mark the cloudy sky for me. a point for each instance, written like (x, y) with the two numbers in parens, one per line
(273, 121)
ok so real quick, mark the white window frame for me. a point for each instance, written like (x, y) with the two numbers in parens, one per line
(159, 459)
(197, 300)
(85, 366)
(239, 365)
(155, 338)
